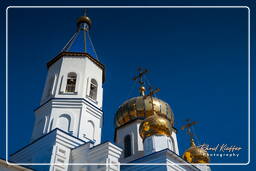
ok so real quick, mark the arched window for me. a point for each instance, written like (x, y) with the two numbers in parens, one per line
(51, 125)
(93, 89)
(71, 82)
(127, 146)
(91, 130)
(45, 124)
(40, 126)
(64, 122)
(50, 86)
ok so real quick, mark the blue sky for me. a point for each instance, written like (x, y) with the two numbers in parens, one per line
(197, 57)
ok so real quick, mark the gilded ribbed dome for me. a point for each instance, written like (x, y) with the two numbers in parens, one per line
(141, 107)
(155, 125)
(196, 154)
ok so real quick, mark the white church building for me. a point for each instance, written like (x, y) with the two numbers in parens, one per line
(68, 122)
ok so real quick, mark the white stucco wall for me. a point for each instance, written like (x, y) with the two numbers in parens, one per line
(107, 154)
(85, 70)
(160, 142)
(76, 113)
(54, 147)
(131, 129)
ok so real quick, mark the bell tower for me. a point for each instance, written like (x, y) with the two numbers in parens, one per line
(73, 93)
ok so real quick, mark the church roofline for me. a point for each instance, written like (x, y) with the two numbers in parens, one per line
(54, 130)
(78, 54)
(167, 151)
(107, 142)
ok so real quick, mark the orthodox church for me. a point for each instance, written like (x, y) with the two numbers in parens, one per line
(68, 122)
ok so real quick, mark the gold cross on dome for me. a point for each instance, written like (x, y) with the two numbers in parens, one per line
(188, 127)
(139, 77)
(151, 93)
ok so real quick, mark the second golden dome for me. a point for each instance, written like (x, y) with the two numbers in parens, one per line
(155, 125)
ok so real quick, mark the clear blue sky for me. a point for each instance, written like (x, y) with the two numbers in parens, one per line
(197, 57)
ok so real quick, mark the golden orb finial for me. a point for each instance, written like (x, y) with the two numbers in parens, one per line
(142, 90)
(196, 154)
(192, 143)
(155, 125)
(84, 19)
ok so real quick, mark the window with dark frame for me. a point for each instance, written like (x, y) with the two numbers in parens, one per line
(127, 146)
(93, 89)
(71, 82)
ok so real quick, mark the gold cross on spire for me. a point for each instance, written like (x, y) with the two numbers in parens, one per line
(188, 128)
(139, 77)
(151, 93)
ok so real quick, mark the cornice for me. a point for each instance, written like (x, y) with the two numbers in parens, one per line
(78, 54)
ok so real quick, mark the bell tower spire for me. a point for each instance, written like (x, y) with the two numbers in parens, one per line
(81, 41)
(68, 123)
(73, 93)
(84, 22)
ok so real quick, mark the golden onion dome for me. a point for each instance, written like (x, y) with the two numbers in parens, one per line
(196, 154)
(84, 19)
(140, 108)
(155, 125)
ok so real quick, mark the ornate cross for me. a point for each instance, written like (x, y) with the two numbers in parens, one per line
(188, 126)
(151, 93)
(140, 76)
